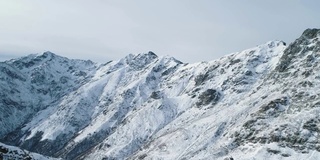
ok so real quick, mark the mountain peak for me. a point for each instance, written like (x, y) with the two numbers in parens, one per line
(301, 48)
(149, 55)
(33, 59)
(262, 102)
(274, 43)
(152, 54)
(49, 54)
(138, 60)
(311, 33)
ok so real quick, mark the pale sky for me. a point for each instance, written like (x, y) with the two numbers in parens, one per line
(189, 30)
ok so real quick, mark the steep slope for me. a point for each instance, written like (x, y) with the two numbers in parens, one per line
(287, 103)
(217, 88)
(261, 102)
(10, 152)
(30, 84)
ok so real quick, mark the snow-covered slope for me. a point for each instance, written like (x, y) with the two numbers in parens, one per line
(30, 84)
(10, 152)
(261, 102)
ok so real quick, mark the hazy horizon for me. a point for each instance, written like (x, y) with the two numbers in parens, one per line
(190, 31)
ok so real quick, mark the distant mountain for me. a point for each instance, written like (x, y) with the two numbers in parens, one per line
(260, 103)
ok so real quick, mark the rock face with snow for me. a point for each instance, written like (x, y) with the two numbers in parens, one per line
(10, 152)
(261, 102)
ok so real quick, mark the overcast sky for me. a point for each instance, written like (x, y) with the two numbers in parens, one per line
(190, 30)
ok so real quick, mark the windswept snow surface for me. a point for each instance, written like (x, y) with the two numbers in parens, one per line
(260, 103)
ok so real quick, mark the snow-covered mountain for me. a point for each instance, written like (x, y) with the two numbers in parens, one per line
(259, 103)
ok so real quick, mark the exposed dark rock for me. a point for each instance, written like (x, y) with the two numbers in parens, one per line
(158, 68)
(63, 79)
(13, 153)
(289, 54)
(310, 59)
(299, 45)
(10, 102)
(141, 60)
(253, 126)
(307, 73)
(201, 78)
(306, 84)
(210, 96)
(273, 151)
(81, 73)
(228, 158)
(142, 156)
(46, 147)
(156, 95)
(285, 155)
(169, 70)
(38, 77)
(152, 54)
(248, 73)
(84, 146)
(12, 74)
(274, 108)
(311, 33)
(3, 149)
(234, 61)
(312, 125)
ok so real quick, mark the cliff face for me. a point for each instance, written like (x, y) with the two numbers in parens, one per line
(259, 102)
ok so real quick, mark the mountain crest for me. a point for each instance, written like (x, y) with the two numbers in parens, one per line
(311, 33)
(260, 103)
(306, 47)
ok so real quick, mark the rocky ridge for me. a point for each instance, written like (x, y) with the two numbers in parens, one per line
(259, 102)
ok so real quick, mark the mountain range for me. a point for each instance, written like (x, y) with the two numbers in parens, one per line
(260, 103)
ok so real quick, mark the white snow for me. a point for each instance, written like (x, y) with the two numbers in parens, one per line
(146, 107)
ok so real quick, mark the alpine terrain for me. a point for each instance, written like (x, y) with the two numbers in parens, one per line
(261, 103)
